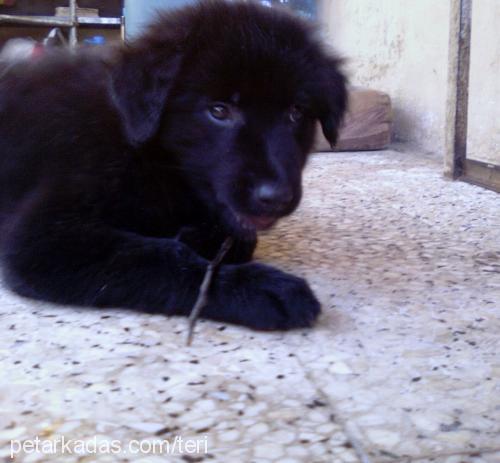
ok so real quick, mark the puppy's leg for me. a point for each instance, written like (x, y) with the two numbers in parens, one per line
(59, 258)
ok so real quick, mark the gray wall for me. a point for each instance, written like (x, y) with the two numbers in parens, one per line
(403, 48)
(400, 47)
(483, 143)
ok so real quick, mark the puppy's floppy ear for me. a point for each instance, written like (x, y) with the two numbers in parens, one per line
(140, 84)
(331, 98)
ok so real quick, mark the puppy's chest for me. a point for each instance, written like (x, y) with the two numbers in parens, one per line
(159, 212)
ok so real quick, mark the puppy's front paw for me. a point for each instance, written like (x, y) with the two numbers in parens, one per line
(264, 298)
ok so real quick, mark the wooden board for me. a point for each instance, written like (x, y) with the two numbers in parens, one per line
(367, 124)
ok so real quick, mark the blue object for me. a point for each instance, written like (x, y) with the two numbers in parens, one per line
(95, 40)
(305, 8)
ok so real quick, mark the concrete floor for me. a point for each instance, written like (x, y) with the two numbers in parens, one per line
(403, 366)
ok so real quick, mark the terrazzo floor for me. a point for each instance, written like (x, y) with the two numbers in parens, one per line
(403, 366)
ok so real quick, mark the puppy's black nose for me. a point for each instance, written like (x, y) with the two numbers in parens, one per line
(273, 197)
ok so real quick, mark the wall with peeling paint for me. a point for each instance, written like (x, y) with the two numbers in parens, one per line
(483, 135)
(400, 47)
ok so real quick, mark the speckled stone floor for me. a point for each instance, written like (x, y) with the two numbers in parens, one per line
(403, 366)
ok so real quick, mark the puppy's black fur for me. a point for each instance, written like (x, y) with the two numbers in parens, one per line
(120, 177)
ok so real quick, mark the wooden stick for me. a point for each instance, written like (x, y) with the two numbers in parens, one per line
(205, 286)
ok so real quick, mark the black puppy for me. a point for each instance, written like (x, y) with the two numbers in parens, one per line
(120, 178)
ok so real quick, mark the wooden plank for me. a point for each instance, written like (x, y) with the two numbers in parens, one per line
(367, 124)
(460, 143)
(458, 88)
(482, 174)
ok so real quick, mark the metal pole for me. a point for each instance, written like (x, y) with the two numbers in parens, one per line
(73, 31)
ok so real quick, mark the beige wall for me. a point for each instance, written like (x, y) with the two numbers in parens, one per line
(483, 143)
(401, 47)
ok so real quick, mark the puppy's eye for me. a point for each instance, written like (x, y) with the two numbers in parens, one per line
(220, 111)
(295, 114)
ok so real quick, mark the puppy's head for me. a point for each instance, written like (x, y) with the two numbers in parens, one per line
(232, 92)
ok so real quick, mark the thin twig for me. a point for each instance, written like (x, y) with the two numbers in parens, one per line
(205, 286)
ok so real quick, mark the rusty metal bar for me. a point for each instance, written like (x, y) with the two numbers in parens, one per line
(58, 21)
(50, 21)
(91, 21)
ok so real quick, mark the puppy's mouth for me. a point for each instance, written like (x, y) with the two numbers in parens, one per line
(255, 222)
(247, 225)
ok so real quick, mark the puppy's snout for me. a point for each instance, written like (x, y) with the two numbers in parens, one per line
(272, 197)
